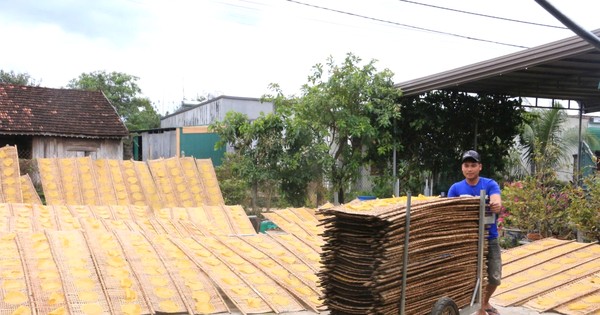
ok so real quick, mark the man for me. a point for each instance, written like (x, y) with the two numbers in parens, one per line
(471, 186)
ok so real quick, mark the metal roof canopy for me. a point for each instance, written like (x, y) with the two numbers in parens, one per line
(567, 69)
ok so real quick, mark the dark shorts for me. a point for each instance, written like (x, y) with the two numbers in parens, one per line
(494, 262)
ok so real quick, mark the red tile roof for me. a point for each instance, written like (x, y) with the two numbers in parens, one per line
(58, 112)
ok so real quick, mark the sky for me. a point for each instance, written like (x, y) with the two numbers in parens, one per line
(182, 49)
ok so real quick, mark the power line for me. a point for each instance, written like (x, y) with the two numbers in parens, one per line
(484, 15)
(405, 25)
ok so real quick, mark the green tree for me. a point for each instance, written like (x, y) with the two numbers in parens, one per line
(305, 154)
(17, 78)
(352, 107)
(234, 188)
(257, 147)
(436, 127)
(123, 92)
(272, 155)
(541, 138)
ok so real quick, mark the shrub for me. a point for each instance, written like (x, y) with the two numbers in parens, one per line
(584, 208)
(536, 205)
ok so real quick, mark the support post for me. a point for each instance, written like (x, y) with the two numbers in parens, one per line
(405, 255)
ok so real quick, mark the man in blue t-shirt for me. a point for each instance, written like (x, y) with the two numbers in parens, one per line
(471, 186)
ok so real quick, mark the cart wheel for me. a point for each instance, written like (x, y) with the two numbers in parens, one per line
(444, 306)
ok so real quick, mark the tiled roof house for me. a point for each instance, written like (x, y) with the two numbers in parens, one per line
(44, 122)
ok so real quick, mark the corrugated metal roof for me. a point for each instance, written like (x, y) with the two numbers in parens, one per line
(567, 69)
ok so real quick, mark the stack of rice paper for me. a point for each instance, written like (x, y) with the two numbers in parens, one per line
(364, 244)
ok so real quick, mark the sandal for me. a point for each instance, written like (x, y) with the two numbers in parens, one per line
(492, 311)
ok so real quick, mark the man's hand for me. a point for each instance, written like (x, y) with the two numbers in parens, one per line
(495, 207)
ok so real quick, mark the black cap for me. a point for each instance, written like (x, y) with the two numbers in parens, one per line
(471, 155)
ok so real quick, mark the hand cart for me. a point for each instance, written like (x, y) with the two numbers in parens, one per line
(445, 305)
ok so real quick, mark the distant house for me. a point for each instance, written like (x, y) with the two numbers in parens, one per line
(57, 123)
(185, 133)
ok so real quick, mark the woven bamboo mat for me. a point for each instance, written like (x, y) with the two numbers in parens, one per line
(123, 289)
(69, 176)
(43, 218)
(220, 219)
(235, 288)
(286, 225)
(15, 285)
(65, 219)
(113, 212)
(5, 210)
(102, 212)
(164, 213)
(84, 289)
(240, 222)
(30, 195)
(92, 225)
(275, 294)
(194, 283)
(180, 185)
(81, 211)
(193, 179)
(175, 213)
(133, 184)
(578, 250)
(140, 212)
(281, 265)
(163, 294)
(10, 175)
(51, 181)
(150, 226)
(171, 227)
(87, 180)
(572, 298)
(586, 260)
(5, 224)
(193, 229)
(163, 181)
(299, 248)
(307, 214)
(532, 248)
(148, 185)
(589, 304)
(307, 224)
(106, 189)
(118, 182)
(198, 215)
(46, 285)
(202, 222)
(209, 182)
(23, 224)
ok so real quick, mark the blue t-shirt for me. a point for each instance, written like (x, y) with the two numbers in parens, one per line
(490, 186)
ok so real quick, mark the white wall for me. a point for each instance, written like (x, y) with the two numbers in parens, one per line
(215, 110)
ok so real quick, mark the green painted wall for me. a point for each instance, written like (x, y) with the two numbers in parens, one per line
(596, 132)
(201, 146)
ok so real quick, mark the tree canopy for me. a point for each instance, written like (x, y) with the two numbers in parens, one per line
(352, 107)
(273, 155)
(436, 127)
(123, 92)
(17, 78)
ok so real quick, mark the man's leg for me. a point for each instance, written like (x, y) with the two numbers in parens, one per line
(485, 304)
(494, 264)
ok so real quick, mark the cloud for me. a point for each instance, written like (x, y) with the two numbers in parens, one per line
(114, 20)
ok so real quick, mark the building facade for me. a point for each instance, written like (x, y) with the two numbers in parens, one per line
(185, 133)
